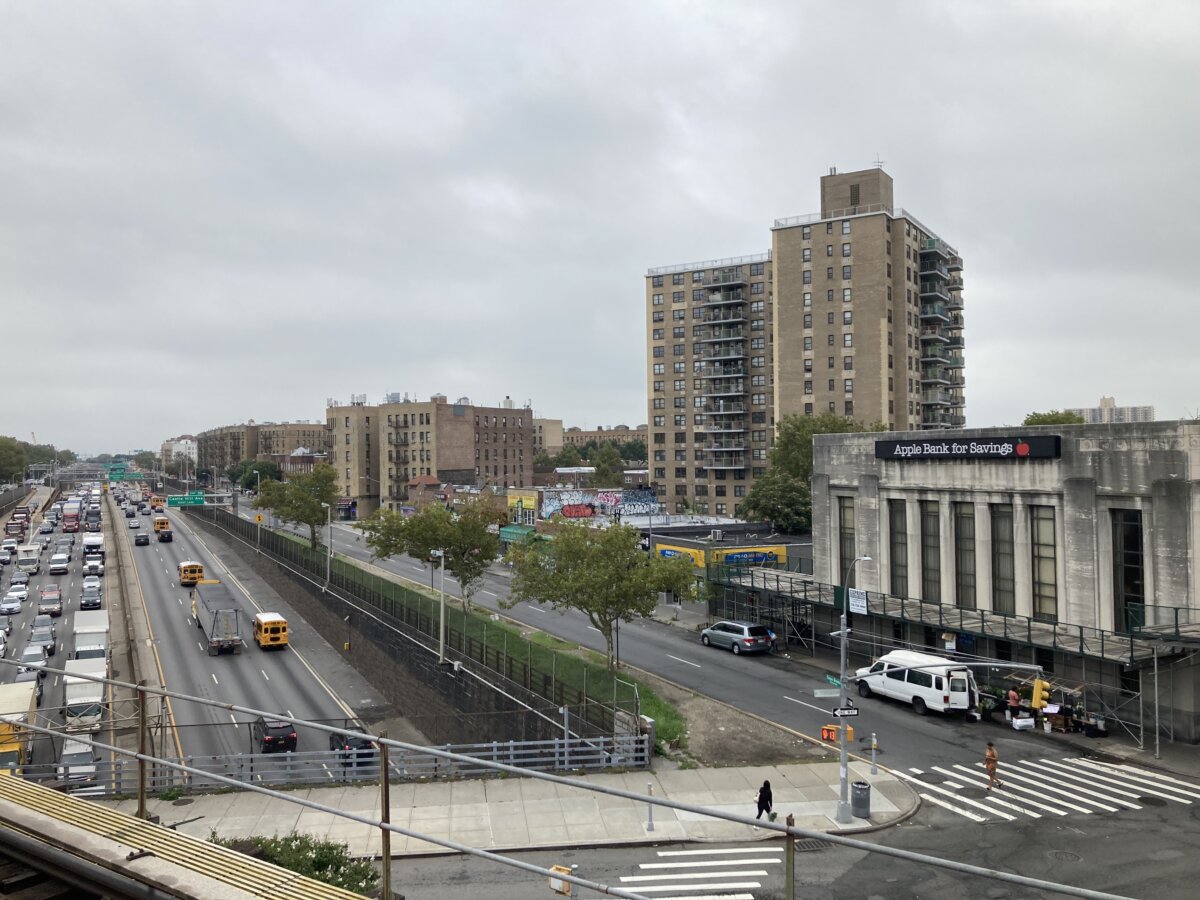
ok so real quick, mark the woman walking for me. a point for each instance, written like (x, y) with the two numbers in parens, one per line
(764, 800)
(991, 759)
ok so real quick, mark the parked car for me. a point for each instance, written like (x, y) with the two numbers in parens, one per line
(738, 636)
(354, 748)
(141, 539)
(273, 735)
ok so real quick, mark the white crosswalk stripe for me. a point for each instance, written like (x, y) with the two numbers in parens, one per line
(714, 873)
(1037, 788)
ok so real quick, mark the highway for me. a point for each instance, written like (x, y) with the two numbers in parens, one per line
(776, 689)
(279, 681)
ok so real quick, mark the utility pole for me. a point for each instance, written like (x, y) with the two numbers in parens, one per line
(843, 808)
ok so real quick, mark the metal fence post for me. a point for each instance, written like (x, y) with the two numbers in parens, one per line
(141, 763)
(650, 807)
(789, 862)
(385, 816)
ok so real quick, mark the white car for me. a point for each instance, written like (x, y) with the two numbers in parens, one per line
(10, 606)
(91, 581)
(134, 523)
(20, 591)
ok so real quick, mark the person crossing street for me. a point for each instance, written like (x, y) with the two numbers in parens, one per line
(991, 760)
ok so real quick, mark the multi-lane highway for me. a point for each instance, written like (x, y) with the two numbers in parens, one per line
(281, 681)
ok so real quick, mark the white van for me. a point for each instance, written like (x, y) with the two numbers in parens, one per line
(937, 683)
(60, 564)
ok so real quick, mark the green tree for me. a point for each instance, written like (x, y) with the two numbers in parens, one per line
(602, 573)
(39, 454)
(787, 481)
(1053, 417)
(66, 457)
(610, 468)
(266, 471)
(13, 459)
(568, 456)
(633, 451)
(102, 458)
(302, 500)
(146, 461)
(542, 459)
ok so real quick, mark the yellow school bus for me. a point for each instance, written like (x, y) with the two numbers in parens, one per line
(270, 631)
(161, 523)
(190, 573)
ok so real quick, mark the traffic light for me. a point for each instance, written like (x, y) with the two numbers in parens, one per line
(1041, 694)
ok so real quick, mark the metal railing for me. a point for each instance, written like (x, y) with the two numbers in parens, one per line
(711, 264)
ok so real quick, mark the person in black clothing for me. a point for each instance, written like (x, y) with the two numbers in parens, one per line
(764, 799)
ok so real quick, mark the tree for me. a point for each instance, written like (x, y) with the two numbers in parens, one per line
(464, 537)
(568, 456)
(303, 499)
(633, 451)
(66, 457)
(602, 573)
(610, 468)
(1053, 417)
(543, 460)
(787, 481)
(13, 459)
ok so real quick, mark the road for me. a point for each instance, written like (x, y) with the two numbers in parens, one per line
(280, 681)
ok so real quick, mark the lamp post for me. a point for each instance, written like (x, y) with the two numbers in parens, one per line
(329, 555)
(258, 518)
(440, 555)
(843, 808)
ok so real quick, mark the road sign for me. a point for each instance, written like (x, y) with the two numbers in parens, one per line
(258, 518)
(199, 494)
(181, 500)
(834, 680)
(858, 601)
(843, 711)
(827, 692)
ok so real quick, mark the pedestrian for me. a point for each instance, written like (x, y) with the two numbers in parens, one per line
(991, 759)
(764, 800)
(1014, 702)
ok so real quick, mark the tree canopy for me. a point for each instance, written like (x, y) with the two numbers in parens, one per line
(243, 472)
(466, 538)
(1053, 417)
(610, 468)
(602, 573)
(302, 500)
(146, 461)
(783, 495)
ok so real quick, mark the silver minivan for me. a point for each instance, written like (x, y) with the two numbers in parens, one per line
(737, 636)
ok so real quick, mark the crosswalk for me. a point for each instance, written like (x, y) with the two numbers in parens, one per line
(1046, 788)
(729, 873)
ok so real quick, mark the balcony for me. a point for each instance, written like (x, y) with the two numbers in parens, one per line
(933, 353)
(955, 264)
(724, 334)
(400, 440)
(955, 342)
(954, 301)
(733, 371)
(726, 387)
(934, 312)
(953, 361)
(732, 426)
(934, 289)
(933, 334)
(936, 247)
(931, 268)
(937, 398)
(724, 408)
(728, 445)
(726, 461)
(956, 322)
(935, 375)
(724, 351)
(722, 298)
(939, 419)
(712, 317)
(725, 277)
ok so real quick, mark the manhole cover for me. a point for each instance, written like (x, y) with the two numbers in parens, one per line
(1064, 856)
(806, 845)
(931, 778)
(974, 793)
(1152, 801)
(183, 801)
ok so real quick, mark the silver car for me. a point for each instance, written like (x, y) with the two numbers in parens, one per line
(737, 636)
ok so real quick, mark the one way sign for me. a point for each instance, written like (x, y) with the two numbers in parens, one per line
(843, 711)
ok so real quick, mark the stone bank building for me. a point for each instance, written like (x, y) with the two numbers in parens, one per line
(1069, 547)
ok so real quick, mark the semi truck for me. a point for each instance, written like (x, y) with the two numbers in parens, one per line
(71, 517)
(18, 708)
(84, 701)
(218, 616)
(91, 634)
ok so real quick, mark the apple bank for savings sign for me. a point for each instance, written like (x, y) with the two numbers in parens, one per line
(1041, 447)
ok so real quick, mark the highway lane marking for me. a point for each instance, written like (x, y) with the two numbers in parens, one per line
(233, 718)
(699, 887)
(265, 675)
(594, 628)
(684, 661)
(820, 709)
(214, 677)
(535, 608)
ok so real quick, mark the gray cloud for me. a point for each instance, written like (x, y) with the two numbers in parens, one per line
(213, 212)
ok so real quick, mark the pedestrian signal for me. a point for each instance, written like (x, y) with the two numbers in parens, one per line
(1041, 694)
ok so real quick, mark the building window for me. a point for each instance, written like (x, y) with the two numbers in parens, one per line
(806, 255)
(808, 343)
(807, 299)
(1045, 580)
(846, 536)
(847, 363)
(806, 277)
(757, 288)
(677, 278)
(847, 340)
(898, 528)
(848, 386)
(808, 387)
(658, 299)
(846, 226)
(846, 294)
(756, 268)
(964, 555)
(847, 317)
(677, 296)
(656, 281)
(1004, 580)
(1129, 587)
(845, 249)
(845, 273)
(808, 320)
(931, 564)
(806, 232)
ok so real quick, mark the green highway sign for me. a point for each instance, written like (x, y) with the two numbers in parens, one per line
(834, 680)
(199, 494)
(181, 500)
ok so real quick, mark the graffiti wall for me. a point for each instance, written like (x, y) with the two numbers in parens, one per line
(573, 503)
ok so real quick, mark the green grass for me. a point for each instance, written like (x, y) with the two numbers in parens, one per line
(669, 724)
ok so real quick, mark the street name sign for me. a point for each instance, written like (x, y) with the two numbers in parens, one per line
(834, 680)
(843, 711)
(827, 692)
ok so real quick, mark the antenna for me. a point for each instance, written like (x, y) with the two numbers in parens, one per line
(879, 162)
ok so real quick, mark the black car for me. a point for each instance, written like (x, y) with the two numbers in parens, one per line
(273, 735)
(165, 536)
(141, 539)
(354, 748)
(91, 599)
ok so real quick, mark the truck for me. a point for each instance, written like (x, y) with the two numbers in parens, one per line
(84, 701)
(71, 513)
(91, 519)
(18, 707)
(91, 634)
(93, 545)
(217, 615)
(29, 559)
(93, 565)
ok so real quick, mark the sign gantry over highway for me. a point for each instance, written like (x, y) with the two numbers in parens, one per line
(185, 500)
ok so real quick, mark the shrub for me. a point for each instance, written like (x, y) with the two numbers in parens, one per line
(325, 861)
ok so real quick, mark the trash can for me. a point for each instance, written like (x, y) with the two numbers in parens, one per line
(860, 800)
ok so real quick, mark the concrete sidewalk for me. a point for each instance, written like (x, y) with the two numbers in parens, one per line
(527, 813)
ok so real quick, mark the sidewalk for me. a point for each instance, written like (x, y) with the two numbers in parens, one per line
(526, 813)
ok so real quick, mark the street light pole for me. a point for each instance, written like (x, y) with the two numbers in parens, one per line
(441, 556)
(843, 808)
(329, 555)
(257, 494)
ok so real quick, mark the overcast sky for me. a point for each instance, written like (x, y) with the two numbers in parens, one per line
(213, 212)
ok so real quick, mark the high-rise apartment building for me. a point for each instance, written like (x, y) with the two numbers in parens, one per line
(855, 310)
(378, 450)
(1108, 413)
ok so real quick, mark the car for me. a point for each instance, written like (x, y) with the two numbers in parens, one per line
(49, 602)
(738, 636)
(134, 523)
(10, 606)
(273, 735)
(60, 564)
(5, 557)
(44, 638)
(77, 762)
(146, 511)
(354, 748)
(43, 541)
(43, 621)
(9, 544)
(92, 581)
(20, 578)
(33, 658)
(35, 676)
(47, 527)
(141, 539)
(91, 599)
(130, 513)
(20, 591)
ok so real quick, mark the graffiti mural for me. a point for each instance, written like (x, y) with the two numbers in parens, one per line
(583, 504)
